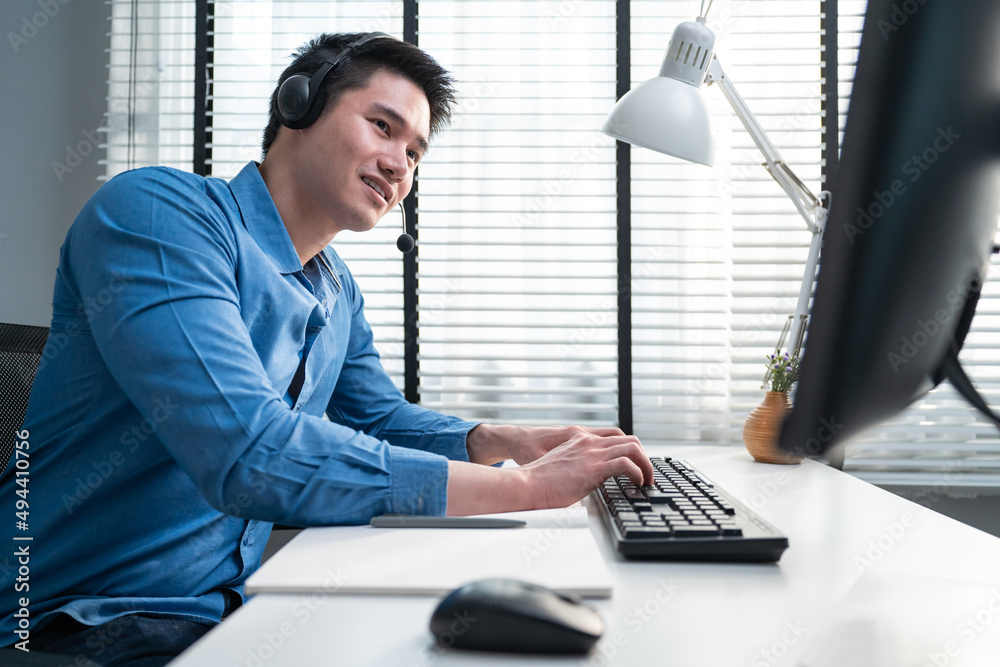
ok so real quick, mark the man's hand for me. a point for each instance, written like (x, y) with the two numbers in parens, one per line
(573, 469)
(492, 443)
(562, 475)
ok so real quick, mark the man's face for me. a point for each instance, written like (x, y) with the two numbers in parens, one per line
(359, 157)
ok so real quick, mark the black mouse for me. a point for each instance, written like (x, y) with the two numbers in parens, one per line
(515, 616)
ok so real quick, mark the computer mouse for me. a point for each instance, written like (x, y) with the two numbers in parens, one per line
(516, 616)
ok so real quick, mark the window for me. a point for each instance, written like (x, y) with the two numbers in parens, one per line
(718, 253)
(150, 78)
(517, 209)
(517, 216)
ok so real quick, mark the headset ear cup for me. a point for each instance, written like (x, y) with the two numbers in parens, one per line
(293, 101)
(297, 102)
(312, 112)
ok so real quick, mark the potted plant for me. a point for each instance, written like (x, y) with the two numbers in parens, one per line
(760, 431)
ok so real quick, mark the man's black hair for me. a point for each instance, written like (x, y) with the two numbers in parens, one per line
(356, 69)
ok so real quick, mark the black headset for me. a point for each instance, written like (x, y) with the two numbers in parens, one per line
(298, 100)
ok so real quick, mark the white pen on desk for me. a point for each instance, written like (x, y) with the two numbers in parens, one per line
(421, 521)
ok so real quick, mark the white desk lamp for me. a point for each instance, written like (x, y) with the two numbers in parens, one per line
(668, 114)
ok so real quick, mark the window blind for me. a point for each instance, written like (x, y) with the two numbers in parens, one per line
(718, 252)
(150, 77)
(517, 262)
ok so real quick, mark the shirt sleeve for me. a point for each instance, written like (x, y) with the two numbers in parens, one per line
(366, 398)
(173, 335)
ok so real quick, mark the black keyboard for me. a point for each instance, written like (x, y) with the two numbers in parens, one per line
(684, 516)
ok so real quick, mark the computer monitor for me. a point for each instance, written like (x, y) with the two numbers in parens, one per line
(912, 221)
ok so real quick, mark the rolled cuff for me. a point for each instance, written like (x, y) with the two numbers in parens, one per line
(419, 482)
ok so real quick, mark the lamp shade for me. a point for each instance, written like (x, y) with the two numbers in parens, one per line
(667, 116)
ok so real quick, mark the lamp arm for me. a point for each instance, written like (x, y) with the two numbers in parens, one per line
(812, 209)
(804, 200)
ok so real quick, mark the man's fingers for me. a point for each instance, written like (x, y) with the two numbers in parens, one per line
(626, 466)
(604, 431)
(641, 470)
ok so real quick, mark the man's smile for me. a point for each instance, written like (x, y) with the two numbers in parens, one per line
(375, 186)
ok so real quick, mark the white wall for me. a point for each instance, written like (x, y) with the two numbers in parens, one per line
(53, 79)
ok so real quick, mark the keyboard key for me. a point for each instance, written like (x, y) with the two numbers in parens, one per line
(657, 496)
(634, 494)
(645, 532)
(727, 508)
(697, 531)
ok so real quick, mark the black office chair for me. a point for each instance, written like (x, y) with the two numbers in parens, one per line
(21, 348)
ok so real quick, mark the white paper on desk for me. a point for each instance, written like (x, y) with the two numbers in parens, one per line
(909, 621)
(556, 549)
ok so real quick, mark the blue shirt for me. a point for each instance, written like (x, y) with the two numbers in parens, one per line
(163, 438)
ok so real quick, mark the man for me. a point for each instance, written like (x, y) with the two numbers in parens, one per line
(202, 329)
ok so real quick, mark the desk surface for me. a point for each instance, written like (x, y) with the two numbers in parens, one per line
(839, 528)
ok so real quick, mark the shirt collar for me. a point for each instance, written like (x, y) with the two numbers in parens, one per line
(260, 217)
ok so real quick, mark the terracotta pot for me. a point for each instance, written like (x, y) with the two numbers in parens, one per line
(760, 431)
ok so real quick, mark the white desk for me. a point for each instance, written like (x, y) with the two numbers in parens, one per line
(671, 613)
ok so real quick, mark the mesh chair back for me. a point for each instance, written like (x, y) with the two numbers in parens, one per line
(20, 353)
